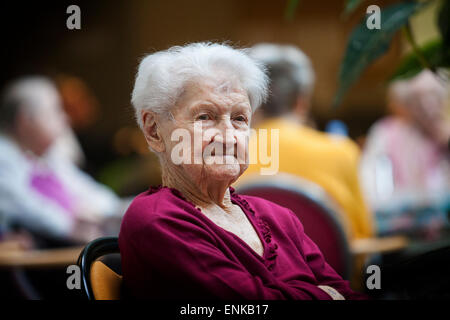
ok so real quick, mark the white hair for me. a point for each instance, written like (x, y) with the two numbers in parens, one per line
(398, 90)
(25, 94)
(300, 65)
(425, 87)
(162, 76)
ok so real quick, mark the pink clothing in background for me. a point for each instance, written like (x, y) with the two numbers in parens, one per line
(418, 161)
(48, 185)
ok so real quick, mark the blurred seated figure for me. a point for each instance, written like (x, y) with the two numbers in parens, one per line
(406, 164)
(40, 191)
(331, 161)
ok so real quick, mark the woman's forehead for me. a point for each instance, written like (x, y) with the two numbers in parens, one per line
(214, 92)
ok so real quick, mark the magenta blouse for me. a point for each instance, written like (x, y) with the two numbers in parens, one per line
(171, 250)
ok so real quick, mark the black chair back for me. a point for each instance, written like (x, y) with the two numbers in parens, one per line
(94, 250)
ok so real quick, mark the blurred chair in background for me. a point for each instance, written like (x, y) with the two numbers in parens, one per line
(41, 192)
(405, 166)
(318, 157)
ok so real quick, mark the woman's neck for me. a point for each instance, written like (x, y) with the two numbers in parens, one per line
(202, 193)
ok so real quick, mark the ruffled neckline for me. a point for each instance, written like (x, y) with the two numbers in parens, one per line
(261, 225)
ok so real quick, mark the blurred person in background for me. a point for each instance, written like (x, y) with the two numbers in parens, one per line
(406, 163)
(327, 160)
(41, 192)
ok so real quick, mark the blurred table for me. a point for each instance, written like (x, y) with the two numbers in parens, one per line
(13, 256)
(378, 245)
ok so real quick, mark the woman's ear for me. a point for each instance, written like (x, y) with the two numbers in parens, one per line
(152, 131)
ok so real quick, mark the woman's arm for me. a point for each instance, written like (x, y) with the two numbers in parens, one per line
(325, 275)
(184, 251)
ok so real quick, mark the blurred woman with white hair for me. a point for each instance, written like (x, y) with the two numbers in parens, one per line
(45, 195)
(406, 161)
(193, 236)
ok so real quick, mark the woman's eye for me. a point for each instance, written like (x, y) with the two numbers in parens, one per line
(203, 117)
(240, 118)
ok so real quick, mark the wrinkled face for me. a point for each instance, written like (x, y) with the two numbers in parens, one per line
(208, 137)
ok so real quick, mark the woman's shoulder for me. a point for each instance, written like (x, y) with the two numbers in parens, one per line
(154, 204)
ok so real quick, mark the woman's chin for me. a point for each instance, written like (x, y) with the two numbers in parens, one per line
(213, 170)
(220, 172)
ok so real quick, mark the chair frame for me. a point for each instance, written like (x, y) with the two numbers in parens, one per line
(94, 250)
(313, 193)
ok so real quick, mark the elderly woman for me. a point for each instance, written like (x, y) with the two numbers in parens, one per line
(194, 237)
(406, 164)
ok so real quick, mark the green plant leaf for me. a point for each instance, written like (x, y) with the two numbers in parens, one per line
(290, 9)
(410, 64)
(365, 45)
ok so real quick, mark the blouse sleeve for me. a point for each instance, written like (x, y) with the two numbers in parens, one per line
(182, 249)
(324, 273)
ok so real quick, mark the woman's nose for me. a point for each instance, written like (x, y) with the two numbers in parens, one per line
(226, 138)
(225, 133)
